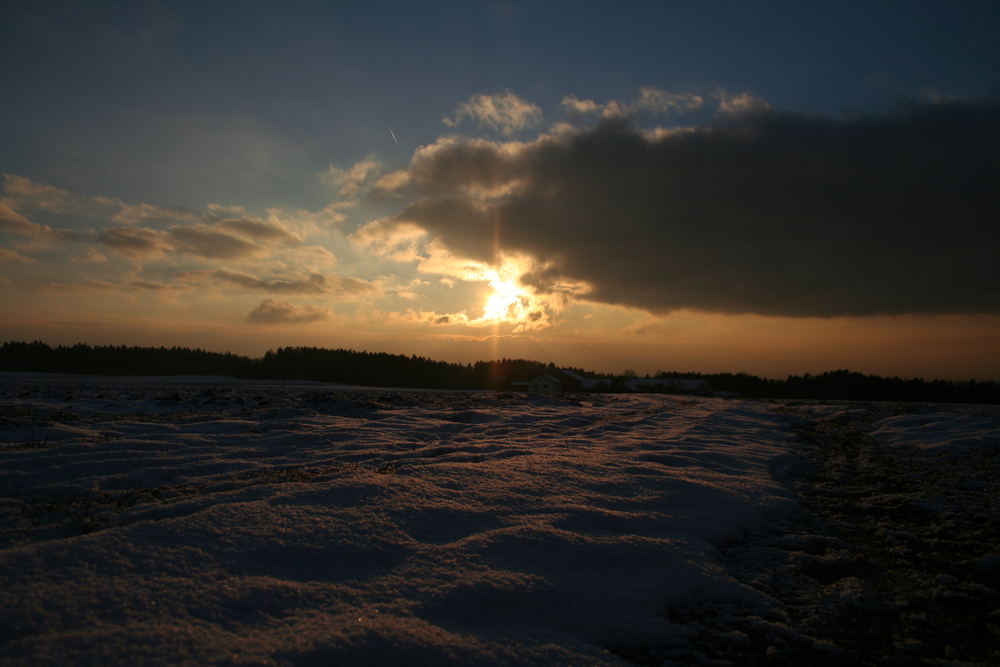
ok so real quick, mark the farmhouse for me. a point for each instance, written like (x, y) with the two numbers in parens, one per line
(544, 384)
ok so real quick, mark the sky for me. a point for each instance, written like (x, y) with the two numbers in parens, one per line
(768, 187)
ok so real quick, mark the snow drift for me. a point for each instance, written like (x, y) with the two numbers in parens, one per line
(245, 523)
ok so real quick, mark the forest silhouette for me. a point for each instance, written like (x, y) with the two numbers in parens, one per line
(380, 369)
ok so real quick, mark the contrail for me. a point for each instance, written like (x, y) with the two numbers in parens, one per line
(393, 136)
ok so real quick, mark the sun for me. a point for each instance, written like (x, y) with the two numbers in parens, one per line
(506, 302)
(511, 302)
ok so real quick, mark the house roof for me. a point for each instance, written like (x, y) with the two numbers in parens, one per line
(586, 383)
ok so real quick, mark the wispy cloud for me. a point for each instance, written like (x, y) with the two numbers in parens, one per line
(26, 194)
(210, 243)
(393, 181)
(127, 285)
(242, 251)
(315, 283)
(8, 255)
(741, 103)
(389, 238)
(148, 213)
(656, 100)
(91, 256)
(352, 181)
(269, 311)
(136, 242)
(38, 235)
(504, 112)
(14, 222)
(309, 258)
(257, 230)
(653, 100)
(574, 105)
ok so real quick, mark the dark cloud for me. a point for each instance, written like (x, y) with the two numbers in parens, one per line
(135, 241)
(231, 238)
(274, 312)
(150, 286)
(257, 230)
(8, 255)
(146, 213)
(772, 213)
(314, 283)
(103, 285)
(31, 195)
(209, 243)
(195, 240)
(12, 221)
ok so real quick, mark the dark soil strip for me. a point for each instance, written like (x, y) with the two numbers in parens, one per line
(920, 554)
(895, 562)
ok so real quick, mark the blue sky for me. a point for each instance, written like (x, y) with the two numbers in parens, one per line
(220, 116)
(120, 95)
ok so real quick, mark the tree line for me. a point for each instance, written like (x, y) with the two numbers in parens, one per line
(380, 369)
(377, 369)
(850, 385)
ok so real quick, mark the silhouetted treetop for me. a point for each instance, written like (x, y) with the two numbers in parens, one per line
(380, 369)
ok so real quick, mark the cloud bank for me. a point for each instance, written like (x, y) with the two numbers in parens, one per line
(755, 212)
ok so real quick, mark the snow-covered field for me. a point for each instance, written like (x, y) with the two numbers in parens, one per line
(213, 521)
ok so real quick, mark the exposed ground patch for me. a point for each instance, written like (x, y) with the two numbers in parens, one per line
(895, 562)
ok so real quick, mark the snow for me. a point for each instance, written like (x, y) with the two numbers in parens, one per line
(255, 523)
(943, 431)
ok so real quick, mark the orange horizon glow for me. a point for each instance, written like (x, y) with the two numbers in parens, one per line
(949, 347)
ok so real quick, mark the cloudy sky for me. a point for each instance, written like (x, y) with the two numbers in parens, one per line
(772, 187)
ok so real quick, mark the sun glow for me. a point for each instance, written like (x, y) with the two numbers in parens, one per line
(511, 302)
(504, 303)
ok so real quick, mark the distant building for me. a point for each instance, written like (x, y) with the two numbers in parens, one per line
(585, 383)
(558, 379)
(544, 384)
(670, 385)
